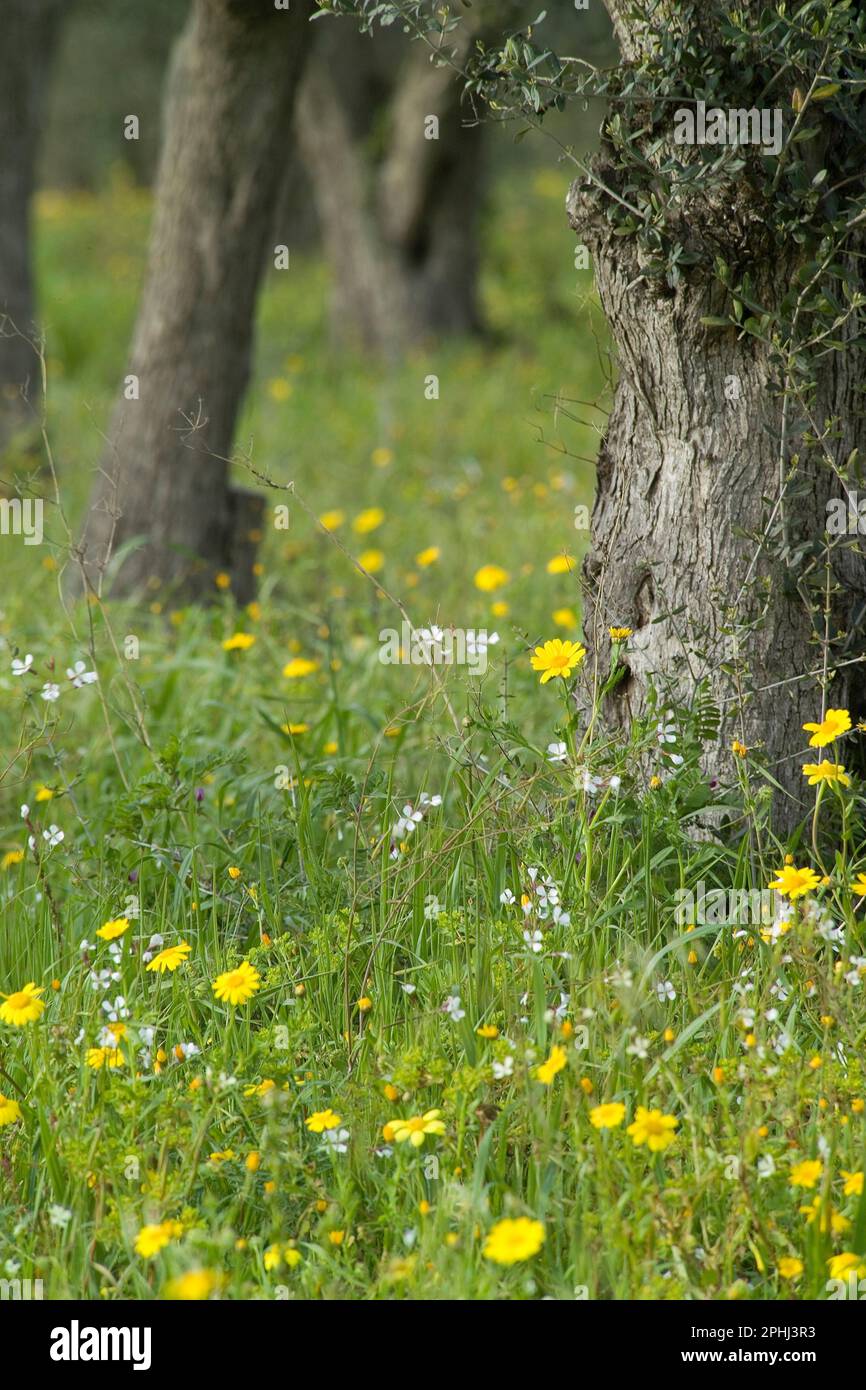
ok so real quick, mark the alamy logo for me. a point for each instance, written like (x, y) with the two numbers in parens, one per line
(20, 1290)
(846, 516)
(718, 907)
(76, 1343)
(22, 517)
(735, 127)
(852, 1287)
(436, 646)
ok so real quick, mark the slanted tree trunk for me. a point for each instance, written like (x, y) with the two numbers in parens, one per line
(164, 478)
(400, 227)
(29, 34)
(691, 545)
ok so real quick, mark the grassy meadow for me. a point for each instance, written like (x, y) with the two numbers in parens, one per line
(325, 978)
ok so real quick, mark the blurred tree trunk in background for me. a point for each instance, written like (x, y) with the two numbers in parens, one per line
(228, 112)
(399, 220)
(27, 42)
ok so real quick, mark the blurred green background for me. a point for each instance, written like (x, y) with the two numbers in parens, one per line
(488, 474)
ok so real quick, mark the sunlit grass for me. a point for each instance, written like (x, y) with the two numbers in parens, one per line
(454, 906)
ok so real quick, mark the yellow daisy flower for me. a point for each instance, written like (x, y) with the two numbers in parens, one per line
(554, 1064)
(24, 1006)
(98, 1057)
(170, 958)
(842, 1265)
(825, 771)
(10, 1110)
(237, 986)
(807, 1173)
(607, 1116)
(835, 723)
(510, 1242)
(652, 1128)
(557, 658)
(561, 564)
(793, 882)
(110, 930)
(371, 560)
(321, 1120)
(417, 1127)
(194, 1286)
(151, 1239)
(299, 666)
(239, 642)
(490, 577)
(368, 520)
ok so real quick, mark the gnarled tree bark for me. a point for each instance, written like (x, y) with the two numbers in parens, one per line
(164, 478)
(690, 543)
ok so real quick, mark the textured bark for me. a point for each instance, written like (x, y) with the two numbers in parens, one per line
(400, 231)
(688, 474)
(229, 104)
(29, 33)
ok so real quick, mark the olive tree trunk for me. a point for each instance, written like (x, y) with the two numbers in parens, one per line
(164, 477)
(709, 523)
(29, 35)
(400, 225)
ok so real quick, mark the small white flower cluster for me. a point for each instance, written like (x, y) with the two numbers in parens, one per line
(116, 1010)
(180, 1052)
(105, 978)
(546, 902)
(542, 901)
(412, 817)
(620, 977)
(855, 972)
(78, 676)
(153, 947)
(335, 1141)
(478, 642)
(666, 733)
(52, 837)
(452, 1007)
(557, 1012)
(592, 785)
